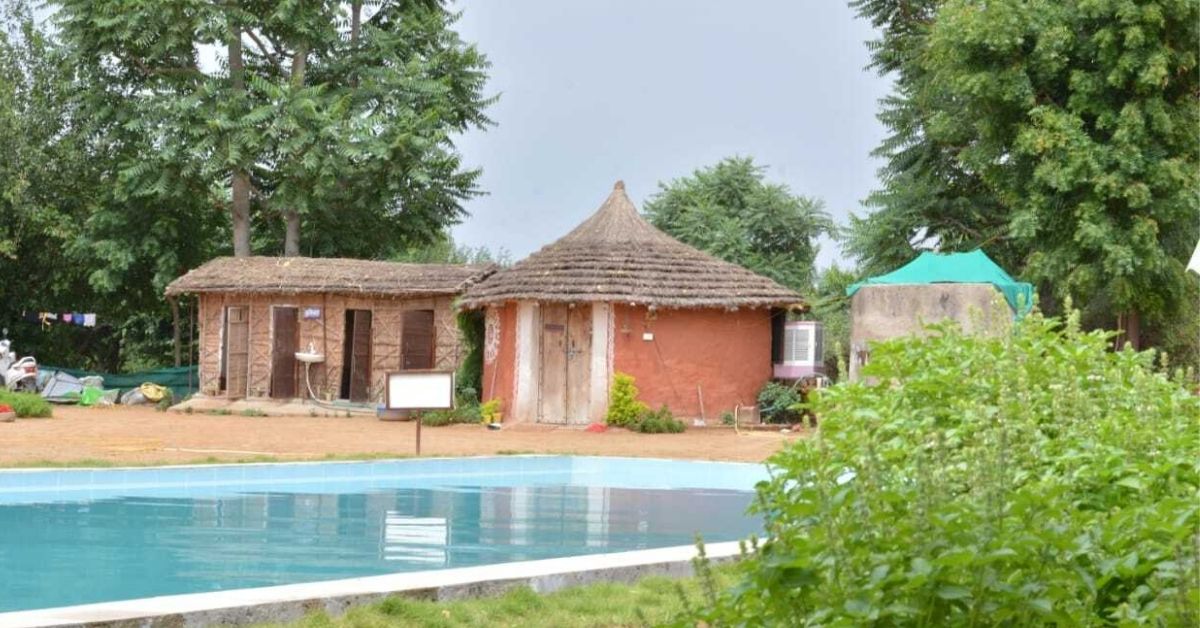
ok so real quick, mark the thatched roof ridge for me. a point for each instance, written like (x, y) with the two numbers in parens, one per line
(295, 275)
(617, 256)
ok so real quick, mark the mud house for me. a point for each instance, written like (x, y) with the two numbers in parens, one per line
(968, 288)
(618, 295)
(365, 318)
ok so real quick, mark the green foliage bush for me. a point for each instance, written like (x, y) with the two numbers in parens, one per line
(624, 409)
(777, 403)
(660, 421)
(27, 405)
(466, 411)
(471, 330)
(1031, 479)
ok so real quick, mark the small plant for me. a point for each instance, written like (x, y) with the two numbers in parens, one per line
(624, 408)
(219, 412)
(490, 411)
(252, 412)
(777, 403)
(27, 405)
(189, 410)
(660, 421)
(166, 402)
(727, 418)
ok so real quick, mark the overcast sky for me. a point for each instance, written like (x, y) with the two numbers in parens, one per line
(647, 91)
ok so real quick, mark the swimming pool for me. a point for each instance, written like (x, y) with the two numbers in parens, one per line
(81, 536)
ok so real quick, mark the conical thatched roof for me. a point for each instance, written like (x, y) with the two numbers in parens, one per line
(295, 275)
(617, 256)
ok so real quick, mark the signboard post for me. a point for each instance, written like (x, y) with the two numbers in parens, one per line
(418, 391)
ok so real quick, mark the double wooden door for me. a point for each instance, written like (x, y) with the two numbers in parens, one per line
(566, 364)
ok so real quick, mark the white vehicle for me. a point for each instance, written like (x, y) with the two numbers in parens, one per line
(17, 374)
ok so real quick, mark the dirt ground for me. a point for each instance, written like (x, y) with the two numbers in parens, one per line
(141, 435)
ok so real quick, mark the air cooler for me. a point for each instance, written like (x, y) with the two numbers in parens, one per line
(802, 350)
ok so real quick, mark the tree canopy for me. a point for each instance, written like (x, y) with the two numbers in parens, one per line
(121, 135)
(287, 113)
(1058, 135)
(732, 212)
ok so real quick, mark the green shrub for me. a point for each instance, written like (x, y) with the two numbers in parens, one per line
(490, 411)
(27, 405)
(727, 418)
(777, 403)
(624, 408)
(471, 330)
(463, 413)
(660, 421)
(1032, 479)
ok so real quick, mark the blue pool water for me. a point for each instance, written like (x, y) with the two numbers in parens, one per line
(82, 536)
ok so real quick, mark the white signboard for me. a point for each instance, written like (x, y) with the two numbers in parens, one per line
(420, 390)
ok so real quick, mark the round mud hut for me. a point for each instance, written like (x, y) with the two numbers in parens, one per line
(616, 295)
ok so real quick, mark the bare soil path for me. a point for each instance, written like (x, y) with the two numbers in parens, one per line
(141, 435)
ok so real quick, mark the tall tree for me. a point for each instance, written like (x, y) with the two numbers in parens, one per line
(311, 109)
(1069, 133)
(732, 212)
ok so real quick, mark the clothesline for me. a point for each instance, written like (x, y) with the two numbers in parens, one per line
(46, 319)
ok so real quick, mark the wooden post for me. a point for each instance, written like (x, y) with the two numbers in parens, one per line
(418, 434)
(175, 324)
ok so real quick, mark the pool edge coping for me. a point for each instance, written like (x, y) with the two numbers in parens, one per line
(290, 602)
(204, 465)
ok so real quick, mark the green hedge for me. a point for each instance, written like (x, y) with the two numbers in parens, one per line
(1032, 479)
(27, 405)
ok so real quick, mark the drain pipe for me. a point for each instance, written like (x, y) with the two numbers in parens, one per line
(327, 405)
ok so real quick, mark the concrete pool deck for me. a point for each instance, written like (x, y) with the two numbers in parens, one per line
(293, 601)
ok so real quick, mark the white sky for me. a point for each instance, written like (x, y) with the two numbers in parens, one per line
(647, 91)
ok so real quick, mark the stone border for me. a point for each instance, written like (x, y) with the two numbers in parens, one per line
(291, 602)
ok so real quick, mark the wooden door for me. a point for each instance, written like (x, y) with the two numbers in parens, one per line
(579, 364)
(285, 330)
(552, 405)
(416, 340)
(358, 349)
(237, 351)
(566, 344)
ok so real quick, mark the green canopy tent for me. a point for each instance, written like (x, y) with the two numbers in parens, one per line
(973, 267)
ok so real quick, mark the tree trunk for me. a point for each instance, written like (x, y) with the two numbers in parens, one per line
(1130, 326)
(291, 239)
(291, 217)
(240, 180)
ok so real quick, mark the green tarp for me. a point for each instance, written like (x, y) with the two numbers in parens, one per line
(182, 381)
(973, 267)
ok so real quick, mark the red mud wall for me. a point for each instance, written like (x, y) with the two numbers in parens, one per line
(500, 355)
(726, 354)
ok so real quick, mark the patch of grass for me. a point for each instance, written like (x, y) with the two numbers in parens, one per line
(219, 412)
(650, 601)
(252, 412)
(27, 405)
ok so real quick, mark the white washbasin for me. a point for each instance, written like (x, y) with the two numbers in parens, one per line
(309, 357)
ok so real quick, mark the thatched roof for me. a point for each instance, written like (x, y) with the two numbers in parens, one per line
(294, 275)
(617, 256)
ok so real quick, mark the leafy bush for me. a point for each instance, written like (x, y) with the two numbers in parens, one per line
(1030, 479)
(624, 409)
(490, 412)
(471, 330)
(463, 413)
(659, 421)
(777, 403)
(27, 405)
